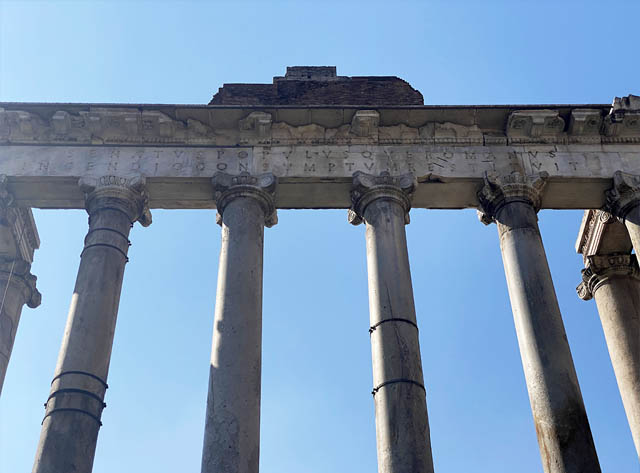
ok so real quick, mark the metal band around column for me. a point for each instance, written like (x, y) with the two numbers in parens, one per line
(398, 380)
(393, 319)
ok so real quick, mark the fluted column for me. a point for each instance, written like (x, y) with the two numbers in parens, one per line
(232, 429)
(402, 425)
(564, 435)
(614, 281)
(74, 407)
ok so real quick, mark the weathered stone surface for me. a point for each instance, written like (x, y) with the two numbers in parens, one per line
(601, 233)
(18, 233)
(448, 149)
(74, 407)
(623, 122)
(18, 241)
(233, 125)
(585, 125)
(232, 428)
(499, 191)
(314, 176)
(564, 435)
(320, 86)
(612, 277)
(380, 155)
(535, 126)
(623, 201)
(17, 288)
(402, 426)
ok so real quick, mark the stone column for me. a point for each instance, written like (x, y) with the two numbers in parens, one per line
(74, 407)
(623, 201)
(564, 435)
(402, 425)
(232, 430)
(18, 241)
(614, 282)
(17, 288)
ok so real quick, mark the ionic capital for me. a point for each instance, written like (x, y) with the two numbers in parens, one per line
(368, 188)
(126, 194)
(600, 268)
(624, 195)
(262, 188)
(498, 191)
(18, 270)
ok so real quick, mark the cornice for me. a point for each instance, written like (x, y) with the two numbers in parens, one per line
(104, 124)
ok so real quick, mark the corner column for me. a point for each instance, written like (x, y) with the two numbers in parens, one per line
(623, 201)
(245, 206)
(614, 282)
(74, 407)
(564, 435)
(402, 425)
(18, 241)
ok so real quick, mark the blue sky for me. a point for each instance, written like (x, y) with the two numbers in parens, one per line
(317, 411)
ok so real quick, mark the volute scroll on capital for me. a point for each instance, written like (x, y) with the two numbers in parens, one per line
(600, 268)
(127, 194)
(499, 190)
(624, 195)
(261, 187)
(19, 270)
(367, 188)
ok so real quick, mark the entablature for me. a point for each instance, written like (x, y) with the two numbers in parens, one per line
(315, 150)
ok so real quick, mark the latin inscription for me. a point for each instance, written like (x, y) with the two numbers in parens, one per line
(97, 161)
(463, 162)
(311, 161)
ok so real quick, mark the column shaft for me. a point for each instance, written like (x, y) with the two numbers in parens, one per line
(75, 404)
(563, 431)
(18, 241)
(618, 303)
(232, 432)
(613, 280)
(632, 222)
(232, 427)
(17, 288)
(402, 425)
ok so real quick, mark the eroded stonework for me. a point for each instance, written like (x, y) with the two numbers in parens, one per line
(314, 150)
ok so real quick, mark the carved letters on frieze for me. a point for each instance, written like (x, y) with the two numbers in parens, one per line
(322, 161)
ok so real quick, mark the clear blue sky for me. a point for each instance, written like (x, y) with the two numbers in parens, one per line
(317, 412)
